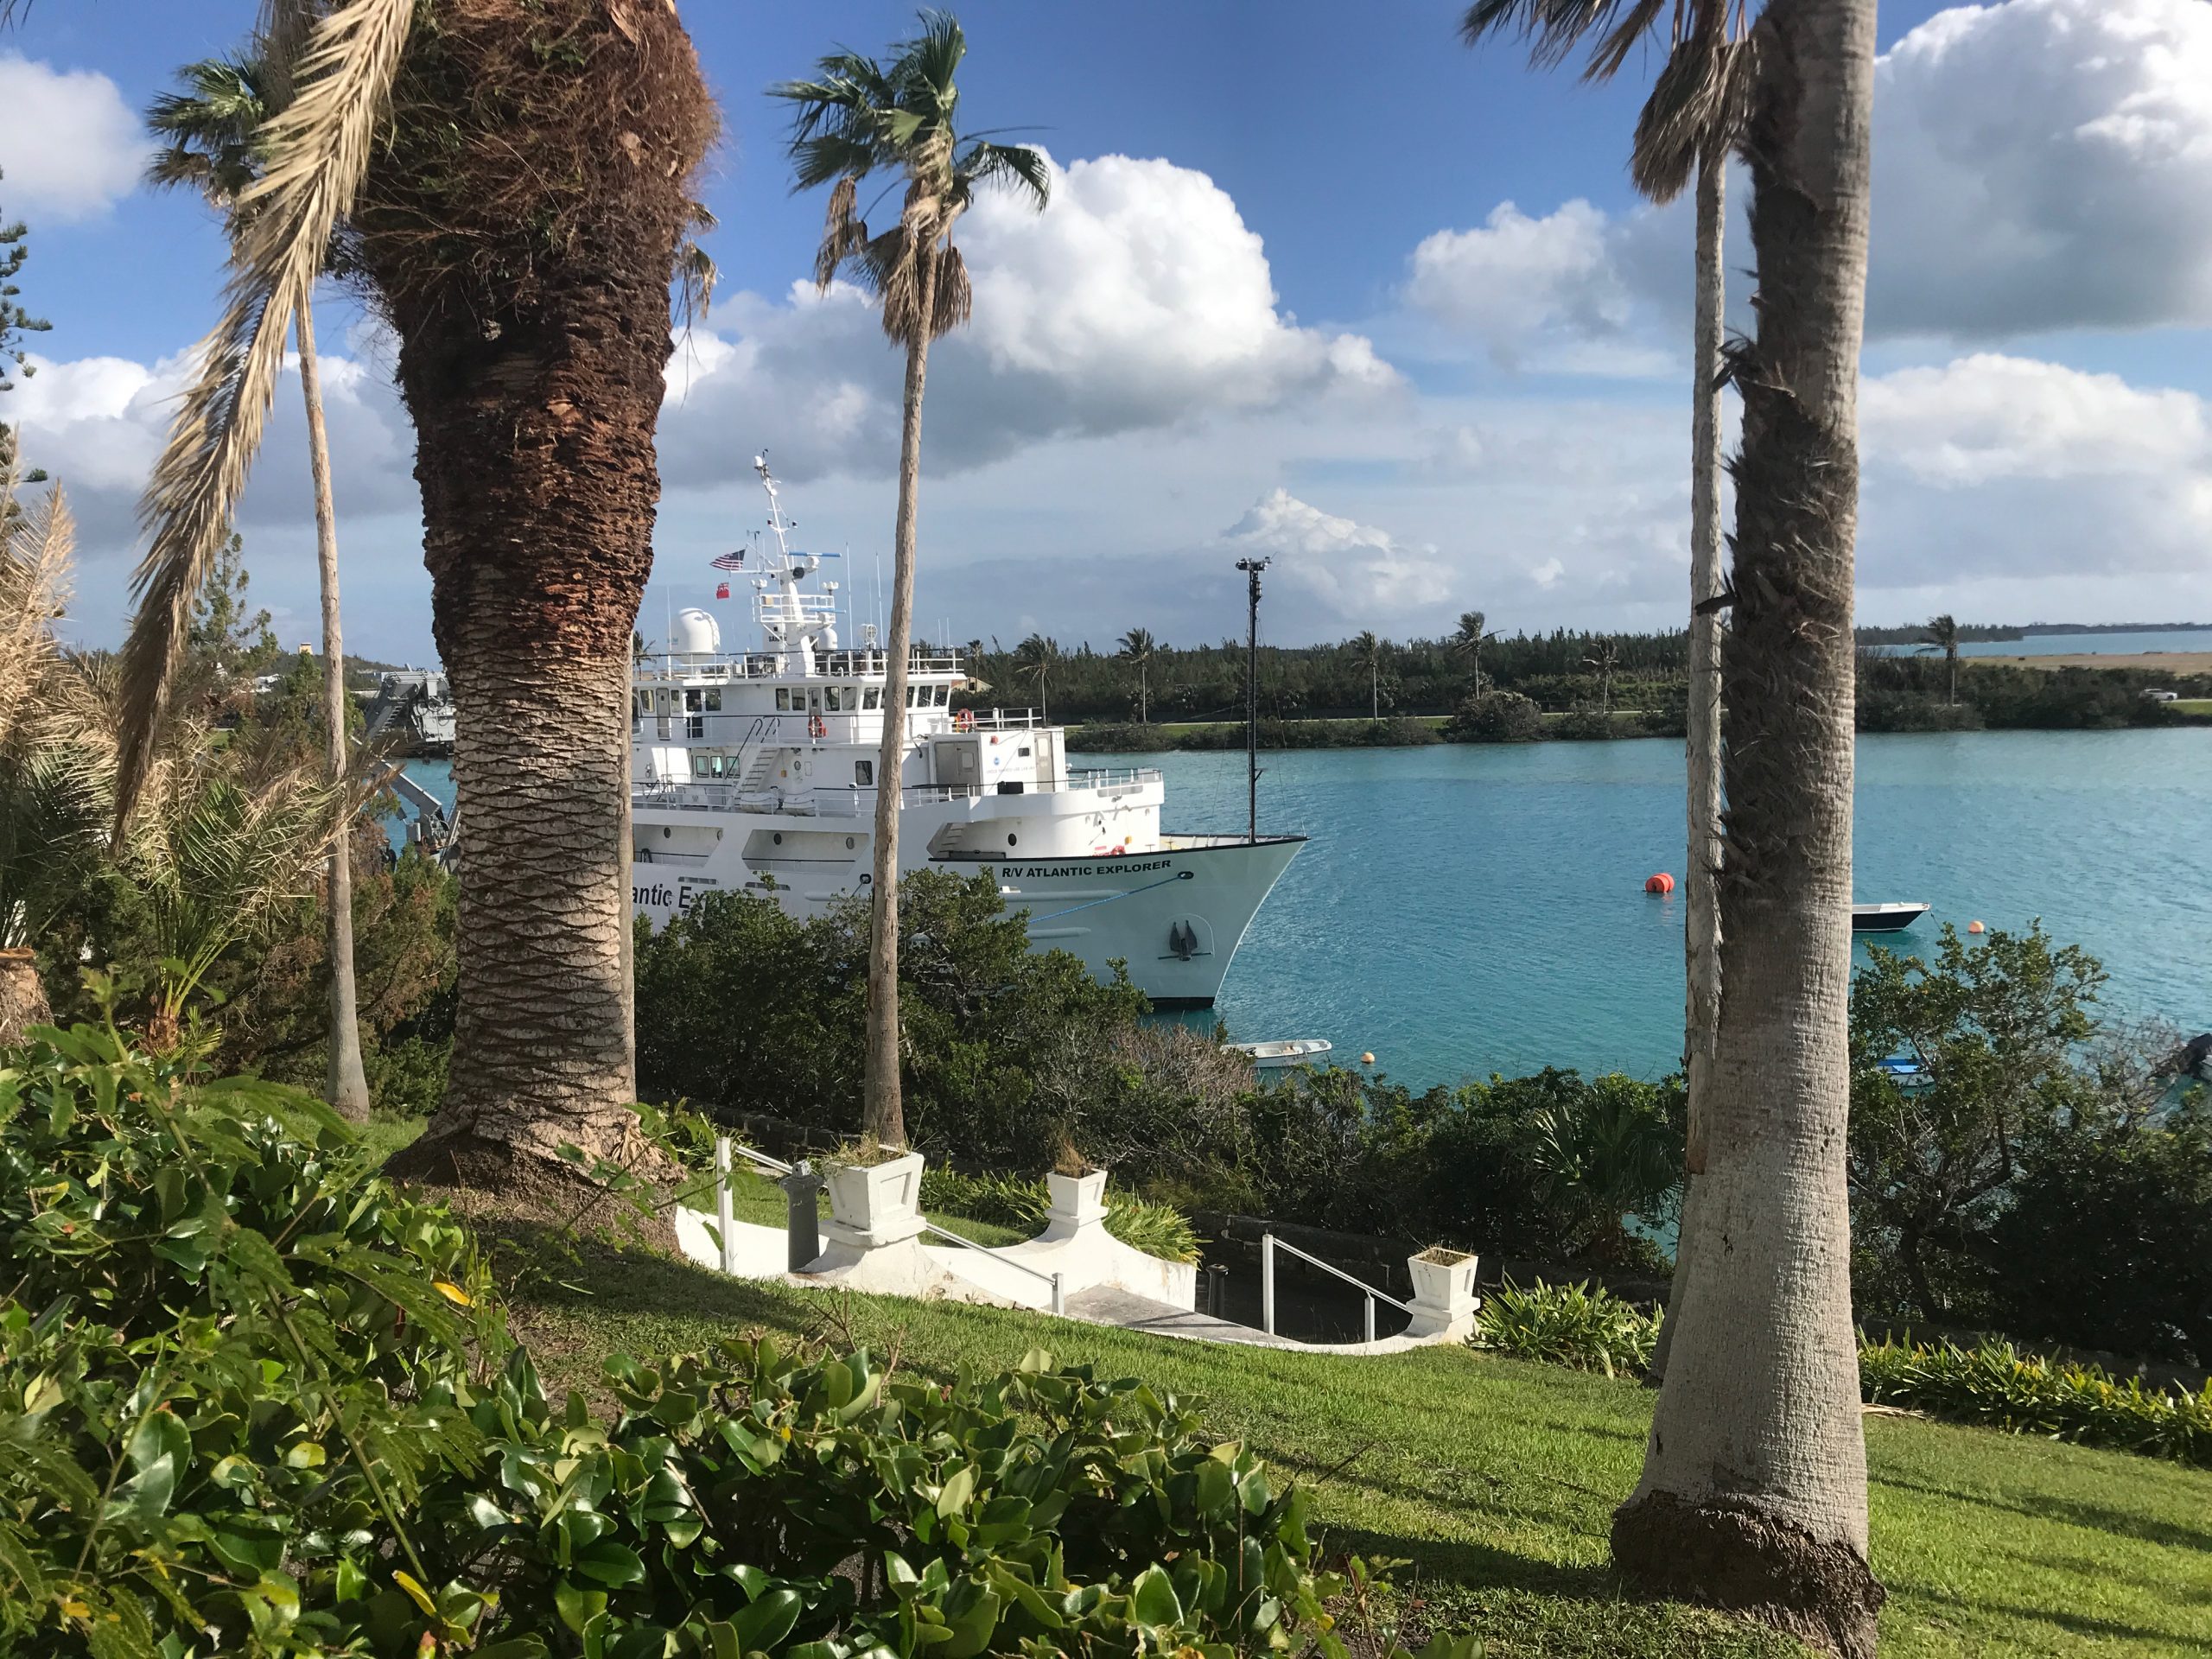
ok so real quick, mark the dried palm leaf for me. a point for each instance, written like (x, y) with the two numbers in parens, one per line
(318, 147)
(1696, 110)
(33, 582)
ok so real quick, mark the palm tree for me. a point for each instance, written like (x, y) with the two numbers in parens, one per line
(1035, 660)
(1695, 112)
(1469, 641)
(1138, 647)
(1753, 1492)
(1943, 636)
(1367, 653)
(511, 182)
(1603, 658)
(858, 119)
(212, 140)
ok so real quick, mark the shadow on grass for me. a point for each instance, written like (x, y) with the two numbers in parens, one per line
(2094, 1517)
(2078, 1624)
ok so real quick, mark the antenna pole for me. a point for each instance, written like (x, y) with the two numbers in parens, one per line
(1252, 568)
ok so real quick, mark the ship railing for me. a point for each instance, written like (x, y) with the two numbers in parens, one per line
(1269, 1244)
(693, 667)
(725, 1216)
(1114, 778)
(998, 720)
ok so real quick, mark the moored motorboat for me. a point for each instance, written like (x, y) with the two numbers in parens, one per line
(1288, 1051)
(1885, 919)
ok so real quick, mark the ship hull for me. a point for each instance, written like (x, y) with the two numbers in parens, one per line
(1175, 915)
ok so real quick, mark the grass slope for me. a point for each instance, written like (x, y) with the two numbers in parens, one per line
(1497, 1480)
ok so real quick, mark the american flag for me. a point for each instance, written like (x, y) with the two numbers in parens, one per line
(730, 561)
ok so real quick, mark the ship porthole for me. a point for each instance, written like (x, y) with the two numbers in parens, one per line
(849, 843)
(1010, 840)
(666, 832)
(779, 838)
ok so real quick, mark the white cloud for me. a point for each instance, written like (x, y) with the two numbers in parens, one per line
(1356, 570)
(2009, 465)
(1515, 278)
(69, 145)
(2044, 164)
(1138, 299)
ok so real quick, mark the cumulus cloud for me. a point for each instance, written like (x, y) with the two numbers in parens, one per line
(1138, 299)
(1515, 281)
(69, 143)
(2008, 465)
(1356, 570)
(2044, 164)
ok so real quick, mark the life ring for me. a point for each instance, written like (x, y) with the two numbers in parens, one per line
(816, 727)
(963, 720)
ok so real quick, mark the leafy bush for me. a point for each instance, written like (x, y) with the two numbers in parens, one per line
(1497, 717)
(1995, 1385)
(1577, 1325)
(1158, 1229)
(253, 1400)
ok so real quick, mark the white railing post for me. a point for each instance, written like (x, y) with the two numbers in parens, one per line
(725, 1215)
(1059, 1301)
(1268, 1283)
(1368, 1308)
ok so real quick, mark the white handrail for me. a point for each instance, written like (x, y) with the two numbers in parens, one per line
(1059, 1302)
(1269, 1244)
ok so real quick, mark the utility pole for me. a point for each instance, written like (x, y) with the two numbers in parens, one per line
(1252, 568)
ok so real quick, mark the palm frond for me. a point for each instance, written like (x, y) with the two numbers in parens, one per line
(927, 63)
(319, 149)
(1018, 167)
(954, 300)
(34, 583)
(1697, 109)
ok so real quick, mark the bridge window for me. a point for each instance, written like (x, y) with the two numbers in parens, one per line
(872, 697)
(864, 773)
(714, 700)
(834, 700)
(783, 697)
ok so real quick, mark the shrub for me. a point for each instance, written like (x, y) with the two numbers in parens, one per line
(253, 1400)
(1577, 1325)
(1584, 722)
(1995, 1385)
(1497, 717)
(1158, 1229)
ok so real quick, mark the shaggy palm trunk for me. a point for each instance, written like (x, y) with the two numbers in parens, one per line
(346, 1088)
(539, 483)
(1754, 1488)
(883, 1118)
(22, 998)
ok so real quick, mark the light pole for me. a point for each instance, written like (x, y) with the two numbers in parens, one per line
(1252, 568)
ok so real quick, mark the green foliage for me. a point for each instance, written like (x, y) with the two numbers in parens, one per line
(1582, 1326)
(1495, 717)
(1997, 1387)
(255, 1401)
(234, 1361)
(1021, 1203)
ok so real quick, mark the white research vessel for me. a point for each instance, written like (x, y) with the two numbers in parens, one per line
(754, 772)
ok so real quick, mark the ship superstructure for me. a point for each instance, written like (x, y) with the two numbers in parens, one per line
(755, 771)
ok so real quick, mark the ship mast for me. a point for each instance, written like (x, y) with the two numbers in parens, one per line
(1252, 568)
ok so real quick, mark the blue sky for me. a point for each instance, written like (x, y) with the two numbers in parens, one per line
(1318, 280)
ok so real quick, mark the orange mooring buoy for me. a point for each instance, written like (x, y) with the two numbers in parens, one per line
(1976, 927)
(1661, 882)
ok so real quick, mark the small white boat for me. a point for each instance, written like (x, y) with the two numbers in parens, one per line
(1885, 919)
(1289, 1050)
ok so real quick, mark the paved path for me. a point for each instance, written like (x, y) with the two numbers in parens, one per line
(1104, 1304)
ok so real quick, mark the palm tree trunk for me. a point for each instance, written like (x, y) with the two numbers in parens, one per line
(22, 998)
(883, 1117)
(1702, 933)
(345, 1087)
(1144, 697)
(1754, 1487)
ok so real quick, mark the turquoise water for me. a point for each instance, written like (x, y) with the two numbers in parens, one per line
(1465, 909)
(2079, 644)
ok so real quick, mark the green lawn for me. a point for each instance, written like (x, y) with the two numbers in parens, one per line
(2192, 705)
(1497, 1479)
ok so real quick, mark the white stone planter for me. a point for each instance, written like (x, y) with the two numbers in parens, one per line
(1443, 1291)
(1080, 1199)
(874, 1204)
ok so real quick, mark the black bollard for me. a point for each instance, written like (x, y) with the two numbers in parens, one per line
(801, 1188)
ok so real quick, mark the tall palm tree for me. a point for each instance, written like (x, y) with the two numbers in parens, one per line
(1034, 658)
(1687, 124)
(1754, 1487)
(1138, 647)
(511, 182)
(1943, 636)
(1469, 640)
(857, 119)
(211, 137)
(1603, 659)
(1367, 653)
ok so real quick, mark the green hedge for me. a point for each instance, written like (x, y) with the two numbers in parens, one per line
(1992, 1384)
(254, 1399)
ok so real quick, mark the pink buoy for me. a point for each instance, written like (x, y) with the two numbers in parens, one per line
(1976, 927)
(1661, 882)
